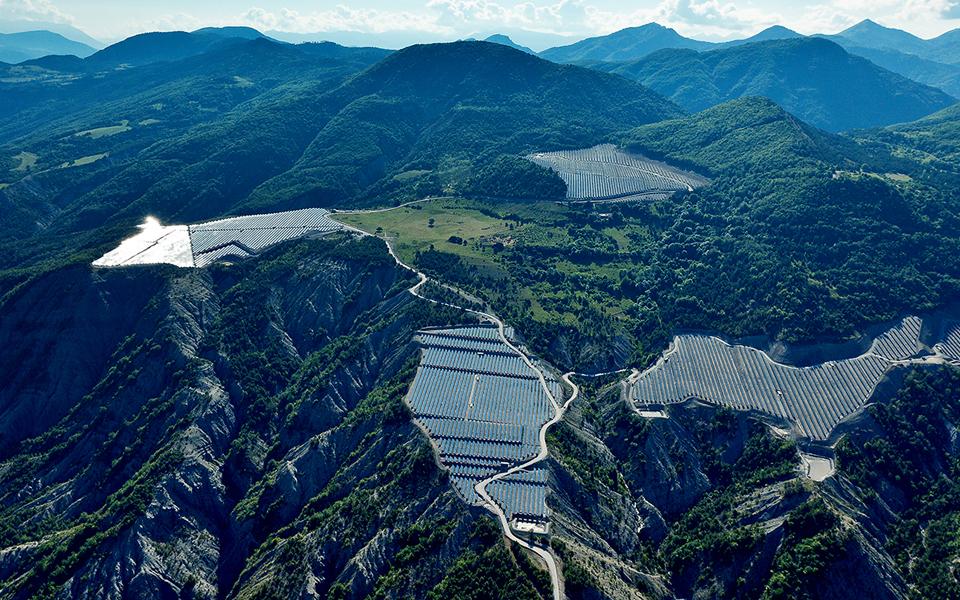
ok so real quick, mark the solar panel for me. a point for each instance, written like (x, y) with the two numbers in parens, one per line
(482, 405)
(816, 398)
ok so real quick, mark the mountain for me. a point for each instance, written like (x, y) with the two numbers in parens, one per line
(202, 459)
(868, 34)
(27, 45)
(298, 136)
(717, 139)
(930, 72)
(933, 141)
(775, 32)
(246, 33)
(624, 45)
(188, 105)
(813, 78)
(934, 62)
(245, 430)
(67, 31)
(945, 47)
(424, 105)
(506, 41)
(168, 46)
(402, 38)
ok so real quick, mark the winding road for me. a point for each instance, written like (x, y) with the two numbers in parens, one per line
(559, 410)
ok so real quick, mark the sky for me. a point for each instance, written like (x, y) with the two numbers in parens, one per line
(439, 20)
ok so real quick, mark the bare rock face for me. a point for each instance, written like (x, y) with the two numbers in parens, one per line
(58, 336)
(196, 433)
(704, 504)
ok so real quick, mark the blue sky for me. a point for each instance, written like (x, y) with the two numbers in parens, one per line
(434, 20)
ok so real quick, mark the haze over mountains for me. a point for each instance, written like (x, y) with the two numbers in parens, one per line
(241, 430)
(934, 62)
(20, 47)
(812, 78)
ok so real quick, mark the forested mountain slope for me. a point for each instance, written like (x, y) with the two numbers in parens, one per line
(812, 78)
(203, 433)
(444, 107)
(238, 431)
(426, 115)
(627, 44)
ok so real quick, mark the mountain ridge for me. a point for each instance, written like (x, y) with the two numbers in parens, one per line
(30, 45)
(813, 78)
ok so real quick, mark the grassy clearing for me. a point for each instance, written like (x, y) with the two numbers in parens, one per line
(84, 160)
(102, 132)
(515, 255)
(408, 175)
(855, 175)
(27, 161)
(410, 229)
(241, 82)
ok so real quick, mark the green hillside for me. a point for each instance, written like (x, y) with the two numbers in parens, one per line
(444, 108)
(625, 45)
(810, 77)
(301, 131)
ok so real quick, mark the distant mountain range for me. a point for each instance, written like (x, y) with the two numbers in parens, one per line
(166, 46)
(506, 41)
(27, 45)
(262, 123)
(67, 31)
(935, 62)
(813, 78)
(624, 45)
(636, 42)
(868, 34)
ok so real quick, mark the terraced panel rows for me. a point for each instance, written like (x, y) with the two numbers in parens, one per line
(814, 398)
(246, 236)
(205, 243)
(522, 495)
(606, 172)
(483, 407)
(949, 346)
(899, 343)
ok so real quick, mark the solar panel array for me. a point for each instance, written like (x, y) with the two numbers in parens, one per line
(246, 236)
(949, 346)
(606, 172)
(483, 407)
(815, 398)
(901, 342)
(522, 495)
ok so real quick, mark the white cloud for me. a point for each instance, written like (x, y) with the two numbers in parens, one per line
(718, 18)
(339, 18)
(32, 10)
(706, 18)
(563, 16)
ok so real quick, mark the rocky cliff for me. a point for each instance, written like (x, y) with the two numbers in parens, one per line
(233, 432)
(709, 503)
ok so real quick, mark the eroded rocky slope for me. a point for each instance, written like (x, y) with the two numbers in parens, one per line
(233, 432)
(710, 504)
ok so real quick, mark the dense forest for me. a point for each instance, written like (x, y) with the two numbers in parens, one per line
(801, 235)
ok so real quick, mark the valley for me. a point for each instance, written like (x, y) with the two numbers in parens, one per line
(640, 317)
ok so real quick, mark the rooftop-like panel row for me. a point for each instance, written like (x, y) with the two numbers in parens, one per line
(605, 172)
(815, 398)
